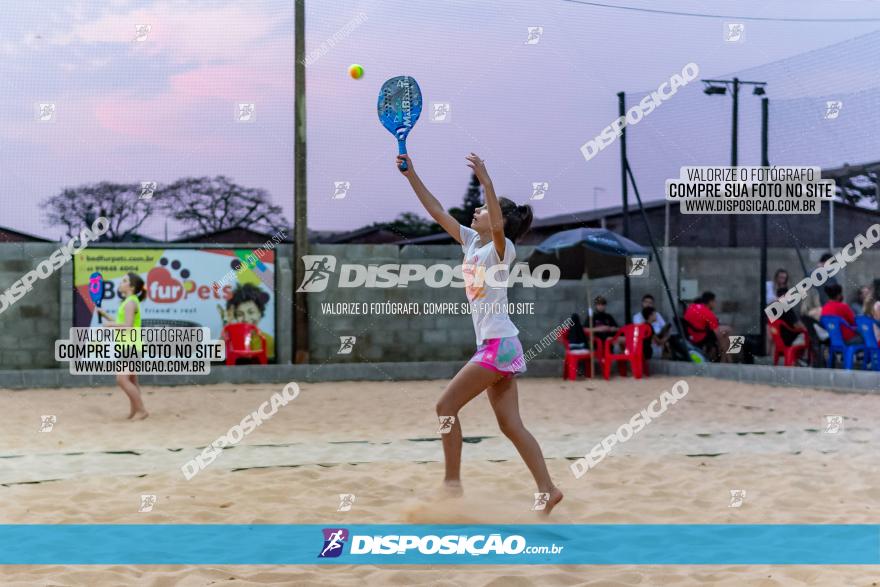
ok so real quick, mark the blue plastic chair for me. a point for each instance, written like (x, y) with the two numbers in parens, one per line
(834, 325)
(865, 325)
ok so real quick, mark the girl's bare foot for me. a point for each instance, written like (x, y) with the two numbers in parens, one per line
(139, 415)
(555, 498)
(453, 488)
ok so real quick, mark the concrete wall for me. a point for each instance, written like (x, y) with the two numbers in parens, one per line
(29, 328)
(422, 337)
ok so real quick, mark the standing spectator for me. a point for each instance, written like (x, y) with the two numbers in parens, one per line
(780, 279)
(835, 306)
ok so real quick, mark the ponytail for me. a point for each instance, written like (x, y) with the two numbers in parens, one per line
(137, 285)
(517, 219)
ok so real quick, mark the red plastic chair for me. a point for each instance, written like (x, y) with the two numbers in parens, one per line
(238, 336)
(573, 357)
(634, 336)
(790, 354)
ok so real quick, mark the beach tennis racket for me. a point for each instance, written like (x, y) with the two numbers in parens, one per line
(400, 104)
(96, 290)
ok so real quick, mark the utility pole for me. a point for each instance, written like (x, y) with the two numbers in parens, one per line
(732, 221)
(765, 162)
(300, 225)
(621, 103)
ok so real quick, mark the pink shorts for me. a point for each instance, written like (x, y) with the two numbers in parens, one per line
(502, 355)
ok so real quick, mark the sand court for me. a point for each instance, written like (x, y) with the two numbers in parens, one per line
(379, 441)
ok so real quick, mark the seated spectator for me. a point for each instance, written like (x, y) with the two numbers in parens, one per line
(811, 312)
(648, 301)
(703, 329)
(790, 337)
(858, 303)
(604, 324)
(780, 280)
(835, 306)
(654, 346)
(576, 337)
(872, 309)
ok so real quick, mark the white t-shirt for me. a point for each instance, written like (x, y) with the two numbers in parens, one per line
(657, 325)
(488, 304)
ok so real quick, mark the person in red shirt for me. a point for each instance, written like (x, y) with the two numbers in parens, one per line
(703, 328)
(835, 306)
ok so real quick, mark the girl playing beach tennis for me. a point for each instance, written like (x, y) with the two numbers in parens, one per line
(128, 315)
(488, 253)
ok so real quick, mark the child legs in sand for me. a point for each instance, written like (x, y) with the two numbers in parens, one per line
(468, 383)
(129, 384)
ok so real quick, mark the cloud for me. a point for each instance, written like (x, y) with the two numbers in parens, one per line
(184, 32)
(177, 89)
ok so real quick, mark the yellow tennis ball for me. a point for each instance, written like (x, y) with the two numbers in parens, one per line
(356, 71)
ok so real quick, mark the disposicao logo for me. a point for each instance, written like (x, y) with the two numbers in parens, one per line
(334, 540)
(320, 268)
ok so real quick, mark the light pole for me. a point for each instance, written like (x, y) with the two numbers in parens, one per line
(720, 87)
(300, 227)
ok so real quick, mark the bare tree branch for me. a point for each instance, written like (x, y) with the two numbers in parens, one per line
(208, 204)
(77, 208)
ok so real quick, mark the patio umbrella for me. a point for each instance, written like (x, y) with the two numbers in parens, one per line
(590, 252)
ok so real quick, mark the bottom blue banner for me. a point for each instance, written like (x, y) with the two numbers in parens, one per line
(568, 544)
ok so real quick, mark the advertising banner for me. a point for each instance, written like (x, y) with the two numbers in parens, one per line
(183, 287)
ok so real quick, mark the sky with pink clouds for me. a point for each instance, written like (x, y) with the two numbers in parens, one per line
(164, 107)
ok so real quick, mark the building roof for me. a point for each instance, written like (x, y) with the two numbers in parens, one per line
(592, 215)
(234, 234)
(10, 235)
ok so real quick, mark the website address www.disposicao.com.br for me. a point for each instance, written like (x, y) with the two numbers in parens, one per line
(336, 540)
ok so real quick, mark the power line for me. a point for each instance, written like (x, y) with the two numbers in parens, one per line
(701, 15)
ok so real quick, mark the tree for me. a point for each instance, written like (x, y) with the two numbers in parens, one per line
(472, 201)
(410, 225)
(77, 208)
(205, 204)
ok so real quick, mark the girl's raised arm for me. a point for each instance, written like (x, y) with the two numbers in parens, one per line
(441, 216)
(496, 219)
